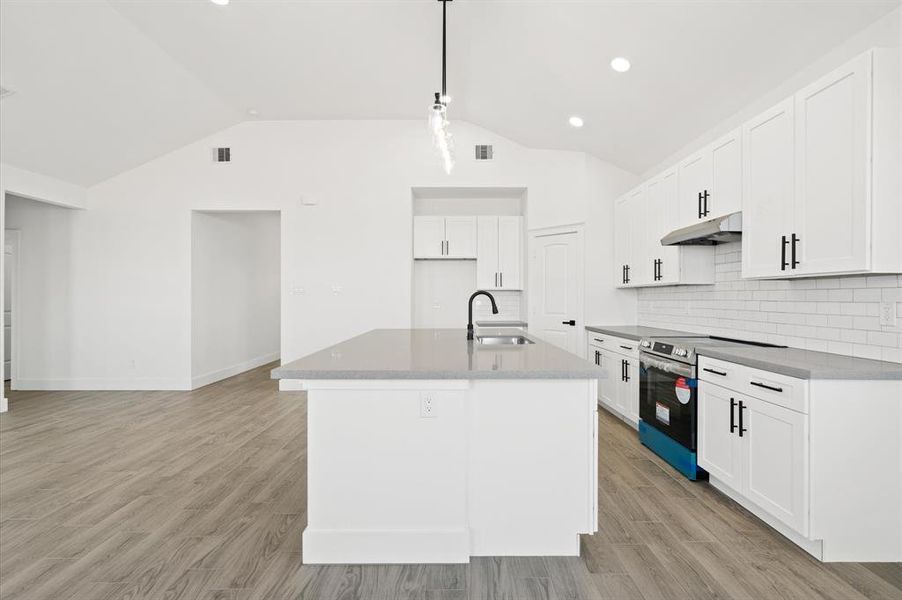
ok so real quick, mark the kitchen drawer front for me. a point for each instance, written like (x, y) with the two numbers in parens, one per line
(725, 374)
(629, 348)
(782, 390)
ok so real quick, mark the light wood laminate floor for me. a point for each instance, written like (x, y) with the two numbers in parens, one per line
(184, 495)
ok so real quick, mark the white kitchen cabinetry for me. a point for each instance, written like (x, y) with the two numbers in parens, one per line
(807, 456)
(444, 237)
(641, 219)
(710, 181)
(821, 176)
(499, 255)
(619, 392)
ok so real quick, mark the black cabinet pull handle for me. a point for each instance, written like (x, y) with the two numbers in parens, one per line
(783, 242)
(721, 373)
(622, 370)
(627, 273)
(795, 240)
(741, 428)
(627, 347)
(598, 340)
(699, 205)
(597, 358)
(501, 279)
(623, 273)
(571, 322)
(765, 386)
(626, 370)
(705, 203)
(732, 415)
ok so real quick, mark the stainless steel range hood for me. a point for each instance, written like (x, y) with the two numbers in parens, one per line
(707, 233)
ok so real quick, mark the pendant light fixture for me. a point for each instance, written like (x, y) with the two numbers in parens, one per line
(438, 112)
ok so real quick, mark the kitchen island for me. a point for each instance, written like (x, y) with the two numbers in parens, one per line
(424, 447)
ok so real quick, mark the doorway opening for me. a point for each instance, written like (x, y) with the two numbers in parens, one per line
(235, 292)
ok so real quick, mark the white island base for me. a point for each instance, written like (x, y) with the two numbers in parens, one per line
(426, 471)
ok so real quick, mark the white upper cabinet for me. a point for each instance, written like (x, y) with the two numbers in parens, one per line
(726, 176)
(429, 237)
(499, 256)
(832, 129)
(621, 240)
(641, 218)
(694, 187)
(821, 176)
(444, 237)
(460, 237)
(710, 181)
(768, 192)
(662, 213)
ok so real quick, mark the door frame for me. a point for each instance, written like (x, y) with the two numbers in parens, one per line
(541, 232)
(13, 238)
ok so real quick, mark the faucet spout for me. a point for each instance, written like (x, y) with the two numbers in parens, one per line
(470, 310)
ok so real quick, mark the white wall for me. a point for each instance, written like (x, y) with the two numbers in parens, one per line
(44, 330)
(235, 293)
(130, 252)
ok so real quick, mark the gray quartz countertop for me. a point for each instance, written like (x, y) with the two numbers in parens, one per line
(437, 354)
(805, 364)
(636, 332)
(501, 323)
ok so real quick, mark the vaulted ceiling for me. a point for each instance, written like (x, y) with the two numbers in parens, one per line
(104, 86)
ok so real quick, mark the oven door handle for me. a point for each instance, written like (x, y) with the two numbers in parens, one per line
(668, 366)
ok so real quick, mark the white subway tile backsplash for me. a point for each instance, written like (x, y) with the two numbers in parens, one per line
(831, 314)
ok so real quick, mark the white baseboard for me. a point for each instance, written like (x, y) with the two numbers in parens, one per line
(369, 547)
(102, 385)
(4, 405)
(220, 374)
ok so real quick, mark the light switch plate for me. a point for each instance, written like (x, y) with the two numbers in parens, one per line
(888, 314)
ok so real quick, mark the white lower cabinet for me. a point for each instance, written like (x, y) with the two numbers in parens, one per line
(619, 392)
(756, 448)
(719, 448)
(811, 458)
(775, 461)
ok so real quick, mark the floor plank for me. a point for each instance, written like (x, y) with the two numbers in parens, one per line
(202, 495)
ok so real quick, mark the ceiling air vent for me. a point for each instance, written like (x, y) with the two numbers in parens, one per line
(222, 155)
(484, 152)
(4, 92)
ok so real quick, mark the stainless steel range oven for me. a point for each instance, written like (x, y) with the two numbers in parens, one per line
(668, 398)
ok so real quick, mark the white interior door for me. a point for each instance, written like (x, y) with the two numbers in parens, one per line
(556, 287)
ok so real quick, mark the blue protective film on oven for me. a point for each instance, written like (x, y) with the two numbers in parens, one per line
(681, 458)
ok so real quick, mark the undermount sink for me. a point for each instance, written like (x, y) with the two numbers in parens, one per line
(503, 340)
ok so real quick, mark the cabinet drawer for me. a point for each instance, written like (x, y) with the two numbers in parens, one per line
(629, 348)
(722, 373)
(781, 390)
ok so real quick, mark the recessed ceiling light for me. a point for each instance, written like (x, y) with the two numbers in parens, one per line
(620, 64)
(220, 2)
(576, 121)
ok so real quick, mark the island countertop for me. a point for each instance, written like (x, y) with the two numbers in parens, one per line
(437, 354)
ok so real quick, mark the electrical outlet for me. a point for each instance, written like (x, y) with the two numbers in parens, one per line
(888, 314)
(427, 406)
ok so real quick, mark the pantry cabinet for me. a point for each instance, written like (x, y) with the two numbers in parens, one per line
(499, 253)
(444, 237)
(821, 176)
